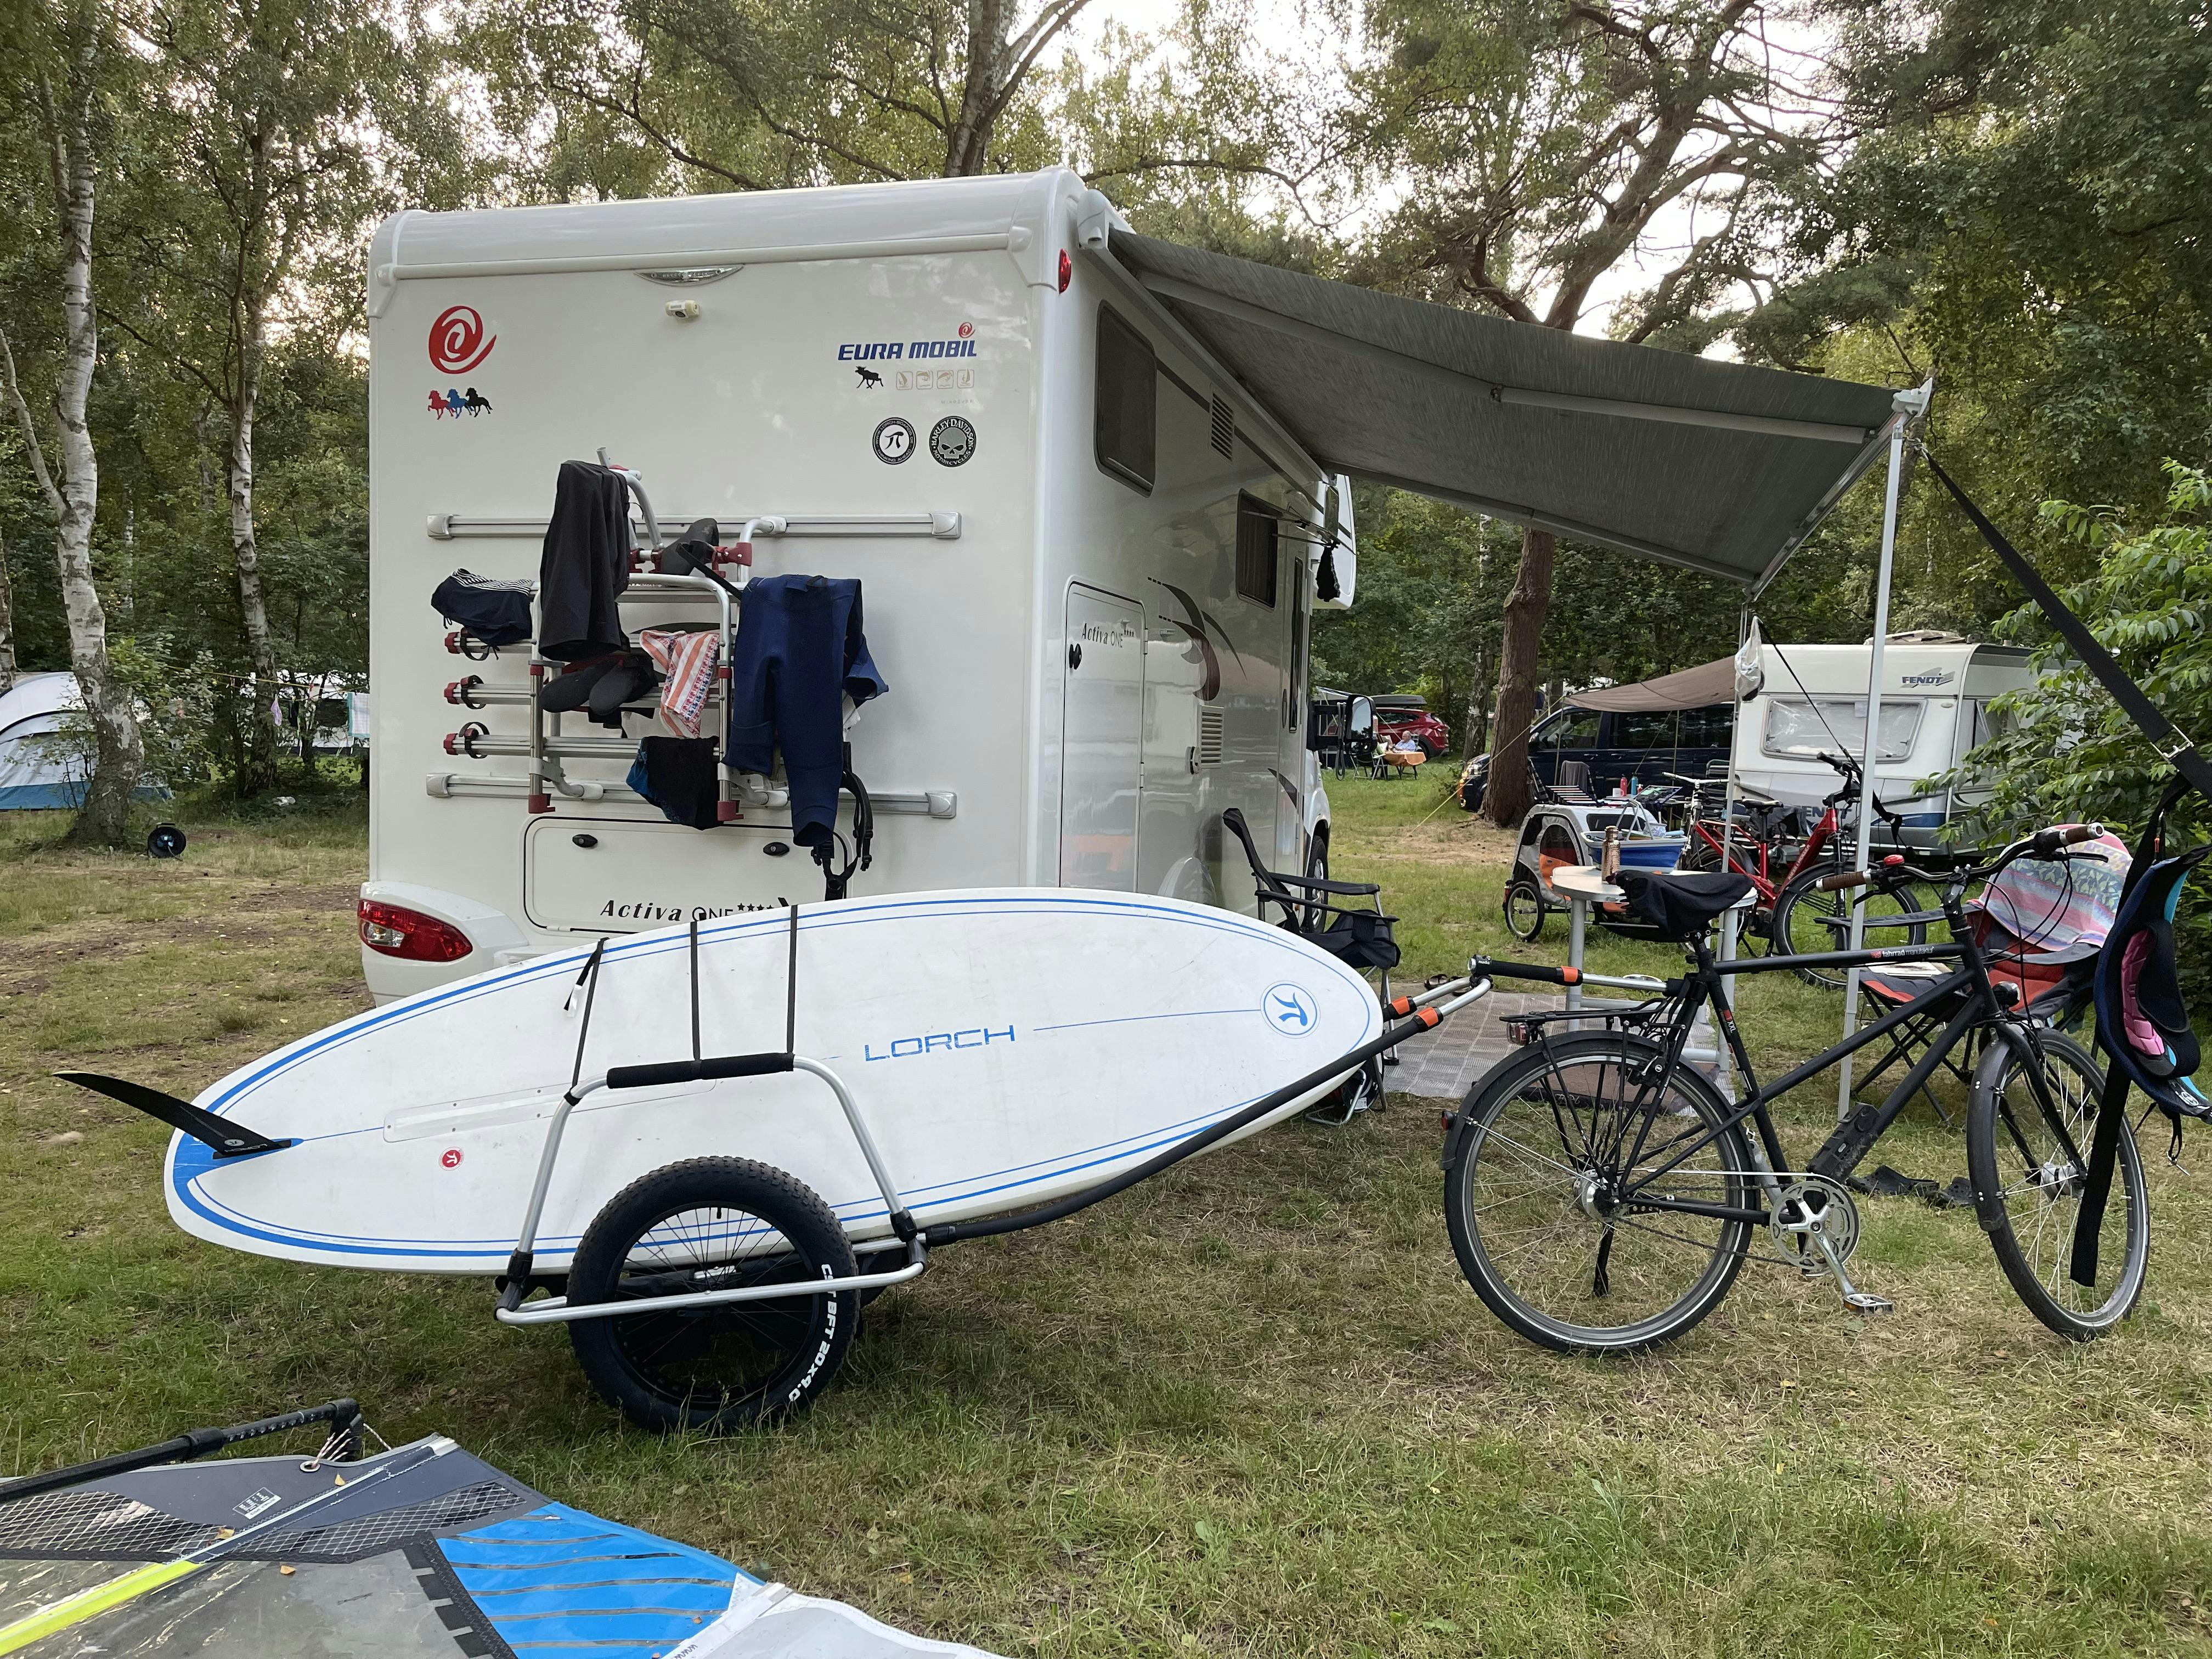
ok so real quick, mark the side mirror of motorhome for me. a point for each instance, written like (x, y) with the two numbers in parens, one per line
(1336, 569)
(1362, 717)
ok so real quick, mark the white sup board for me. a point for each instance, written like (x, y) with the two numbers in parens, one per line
(1005, 1046)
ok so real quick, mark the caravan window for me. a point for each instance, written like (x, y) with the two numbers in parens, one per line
(1128, 432)
(1800, 728)
(1258, 537)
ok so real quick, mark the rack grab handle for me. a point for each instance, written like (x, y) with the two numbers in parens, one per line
(696, 1070)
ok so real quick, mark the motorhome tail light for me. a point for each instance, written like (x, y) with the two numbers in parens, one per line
(393, 930)
(1066, 271)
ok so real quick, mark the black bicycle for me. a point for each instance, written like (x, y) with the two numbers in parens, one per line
(1602, 1193)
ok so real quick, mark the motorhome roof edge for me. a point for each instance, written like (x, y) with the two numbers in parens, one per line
(697, 233)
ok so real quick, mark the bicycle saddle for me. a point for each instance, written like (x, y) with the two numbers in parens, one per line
(1680, 905)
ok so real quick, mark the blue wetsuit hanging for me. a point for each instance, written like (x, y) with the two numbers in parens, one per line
(799, 653)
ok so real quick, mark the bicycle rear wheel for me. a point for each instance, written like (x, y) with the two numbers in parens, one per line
(1538, 1195)
(2028, 1190)
(1807, 921)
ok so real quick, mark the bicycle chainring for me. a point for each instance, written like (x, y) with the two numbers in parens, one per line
(1811, 1204)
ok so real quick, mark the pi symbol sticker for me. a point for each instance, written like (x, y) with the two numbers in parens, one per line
(1291, 1009)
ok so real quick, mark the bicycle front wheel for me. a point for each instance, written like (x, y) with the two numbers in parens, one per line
(2028, 1186)
(1545, 1200)
(1807, 921)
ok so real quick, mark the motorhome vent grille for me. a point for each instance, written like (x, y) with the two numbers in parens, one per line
(1225, 427)
(1209, 737)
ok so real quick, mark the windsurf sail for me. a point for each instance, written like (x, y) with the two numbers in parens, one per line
(419, 1552)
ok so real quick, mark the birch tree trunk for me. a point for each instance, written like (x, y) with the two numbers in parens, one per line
(71, 484)
(7, 623)
(245, 552)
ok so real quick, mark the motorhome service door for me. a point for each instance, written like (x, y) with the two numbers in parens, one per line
(1102, 740)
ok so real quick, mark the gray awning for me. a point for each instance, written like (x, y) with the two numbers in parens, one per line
(1721, 467)
(1689, 688)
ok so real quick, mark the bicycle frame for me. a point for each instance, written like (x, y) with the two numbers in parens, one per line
(1854, 1137)
(1824, 830)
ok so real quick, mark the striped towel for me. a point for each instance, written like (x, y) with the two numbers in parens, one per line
(687, 660)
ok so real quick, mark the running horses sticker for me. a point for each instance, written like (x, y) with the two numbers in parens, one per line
(459, 343)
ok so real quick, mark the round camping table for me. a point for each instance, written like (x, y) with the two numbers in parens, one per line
(1583, 886)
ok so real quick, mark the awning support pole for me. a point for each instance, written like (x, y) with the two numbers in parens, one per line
(1869, 753)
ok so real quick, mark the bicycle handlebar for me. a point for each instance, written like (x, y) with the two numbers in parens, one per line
(2043, 843)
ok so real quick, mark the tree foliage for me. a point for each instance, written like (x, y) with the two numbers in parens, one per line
(2004, 193)
(2148, 598)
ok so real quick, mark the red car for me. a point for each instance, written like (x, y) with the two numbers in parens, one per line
(1397, 718)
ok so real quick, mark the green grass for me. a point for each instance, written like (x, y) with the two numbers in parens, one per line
(1252, 1410)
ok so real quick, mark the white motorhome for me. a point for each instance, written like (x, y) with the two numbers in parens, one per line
(1936, 696)
(1088, 554)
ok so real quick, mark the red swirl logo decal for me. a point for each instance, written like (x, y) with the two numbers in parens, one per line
(457, 342)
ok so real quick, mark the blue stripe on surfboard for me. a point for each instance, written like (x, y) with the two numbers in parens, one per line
(651, 946)
(605, 1586)
(847, 916)
(188, 1159)
(1139, 1019)
(848, 1211)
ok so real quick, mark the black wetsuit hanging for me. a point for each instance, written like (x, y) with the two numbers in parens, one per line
(585, 565)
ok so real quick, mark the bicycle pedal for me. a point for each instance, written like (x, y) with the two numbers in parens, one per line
(1866, 1302)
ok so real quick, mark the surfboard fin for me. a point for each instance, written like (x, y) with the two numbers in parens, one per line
(219, 1134)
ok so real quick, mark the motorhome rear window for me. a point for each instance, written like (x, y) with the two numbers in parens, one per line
(1801, 729)
(1258, 540)
(1128, 401)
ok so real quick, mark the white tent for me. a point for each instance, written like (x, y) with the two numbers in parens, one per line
(40, 764)
(36, 767)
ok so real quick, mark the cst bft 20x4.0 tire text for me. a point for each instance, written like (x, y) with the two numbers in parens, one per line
(712, 1223)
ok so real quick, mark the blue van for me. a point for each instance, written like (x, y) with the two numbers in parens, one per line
(1644, 743)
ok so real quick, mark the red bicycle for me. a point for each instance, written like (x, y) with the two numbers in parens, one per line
(1795, 916)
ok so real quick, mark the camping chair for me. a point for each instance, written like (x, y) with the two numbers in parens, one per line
(1360, 937)
(1573, 787)
(2042, 924)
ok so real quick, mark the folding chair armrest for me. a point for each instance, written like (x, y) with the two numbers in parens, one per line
(1322, 884)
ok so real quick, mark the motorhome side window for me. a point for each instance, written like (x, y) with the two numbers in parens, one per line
(1259, 535)
(1800, 728)
(1128, 432)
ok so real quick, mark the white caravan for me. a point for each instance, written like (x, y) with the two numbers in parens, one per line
(1934, 706)
(1088, 555)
